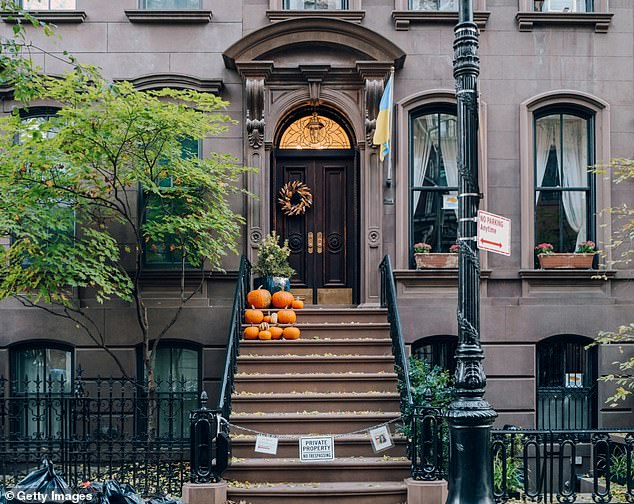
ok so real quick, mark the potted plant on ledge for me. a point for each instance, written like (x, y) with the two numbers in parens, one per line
(580, 259)
(425, 259)
(272, 265)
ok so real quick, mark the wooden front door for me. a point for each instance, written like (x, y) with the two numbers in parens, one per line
(323, 240)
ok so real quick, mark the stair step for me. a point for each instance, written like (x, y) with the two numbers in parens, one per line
(325, 363)
(342, 469)
(312, 346)
(357, 445)
(290, 403)
(312, 423)
(374, 492)
(334, 315)
(342, 330)
(331, 382)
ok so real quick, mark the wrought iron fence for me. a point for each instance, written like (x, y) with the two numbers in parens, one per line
(97, 430)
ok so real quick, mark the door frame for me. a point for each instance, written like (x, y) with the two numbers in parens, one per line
(354, 236)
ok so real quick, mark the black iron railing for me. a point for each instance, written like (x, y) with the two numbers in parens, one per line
(95, 430)
(422, 423)
(243, 285)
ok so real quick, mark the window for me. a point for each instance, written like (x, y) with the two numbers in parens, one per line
(563, 5)
(437, 351)
(564, 187)
(315, 132)
(315, 4)
(169, 4)
(433, 180)
(566, 383)
(166, 253)
(433, 5)
(42, 374)
(178, 377)
(42, 5)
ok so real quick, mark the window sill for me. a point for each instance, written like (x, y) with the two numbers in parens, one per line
(403, 18)
(556, 274)
(433, 274)
(52, 16)
(355, 16)
(168, 16)
(600, 20)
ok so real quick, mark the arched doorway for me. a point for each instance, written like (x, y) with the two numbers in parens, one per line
(315, 147)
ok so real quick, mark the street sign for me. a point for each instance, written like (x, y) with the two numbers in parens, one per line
(494, 233)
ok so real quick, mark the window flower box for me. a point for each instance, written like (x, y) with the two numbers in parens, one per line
(566, 261)
(436, 260)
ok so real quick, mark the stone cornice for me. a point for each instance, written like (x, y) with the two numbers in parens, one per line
(177, 81)
(403, 18)
(355, 16)
(182, 16)
(48, 16)
(600, 20)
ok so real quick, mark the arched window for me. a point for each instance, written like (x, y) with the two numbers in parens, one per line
(437, 351)
(42, 373)
(433, 177)
(564, 187)
(314, 131)
(566, 383)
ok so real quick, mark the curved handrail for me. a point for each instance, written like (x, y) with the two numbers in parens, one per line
(389, 301)
(243, 285)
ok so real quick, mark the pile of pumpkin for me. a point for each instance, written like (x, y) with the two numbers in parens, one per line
(267, 326)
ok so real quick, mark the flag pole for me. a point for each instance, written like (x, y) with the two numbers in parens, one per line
(388, 181)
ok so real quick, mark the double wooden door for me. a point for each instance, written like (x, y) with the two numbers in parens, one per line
(323, 240)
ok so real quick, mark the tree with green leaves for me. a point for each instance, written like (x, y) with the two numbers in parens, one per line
(110, 163)
(622, 171)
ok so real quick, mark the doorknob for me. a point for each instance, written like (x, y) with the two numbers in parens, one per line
(310, 242)
(320, 242)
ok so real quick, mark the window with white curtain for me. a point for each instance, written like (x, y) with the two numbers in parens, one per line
(563, 5)
(564, 184)
(433, 181)
(433, 5)
(43, 5)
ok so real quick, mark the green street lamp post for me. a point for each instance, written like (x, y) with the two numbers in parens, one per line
(469, 416)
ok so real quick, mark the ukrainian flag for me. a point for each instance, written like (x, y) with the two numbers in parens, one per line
(383, 129)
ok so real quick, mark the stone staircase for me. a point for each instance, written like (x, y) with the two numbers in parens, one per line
(338, 378)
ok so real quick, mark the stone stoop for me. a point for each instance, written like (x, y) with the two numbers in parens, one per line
(338, 378)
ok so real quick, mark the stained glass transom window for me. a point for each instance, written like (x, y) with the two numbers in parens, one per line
(315, 132)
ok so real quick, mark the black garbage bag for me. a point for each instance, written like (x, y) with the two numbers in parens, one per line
(116, 493)
(164, 500)
(92, 491)
(44, 482)
(3, 497)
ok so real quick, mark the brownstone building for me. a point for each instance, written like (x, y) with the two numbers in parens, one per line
(557, 84)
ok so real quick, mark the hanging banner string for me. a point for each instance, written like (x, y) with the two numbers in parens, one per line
(296, 437)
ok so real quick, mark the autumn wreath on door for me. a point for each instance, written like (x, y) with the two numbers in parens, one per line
(295, 198)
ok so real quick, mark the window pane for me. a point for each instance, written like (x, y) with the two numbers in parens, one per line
(434, 5)
(434, 165)
(563, 5)
(562, 217)
(315, 4)
(49, 5)
(170, 4)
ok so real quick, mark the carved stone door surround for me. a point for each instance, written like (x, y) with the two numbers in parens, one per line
(292, 64)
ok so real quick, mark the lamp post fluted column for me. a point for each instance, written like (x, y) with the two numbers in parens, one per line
(469, 416)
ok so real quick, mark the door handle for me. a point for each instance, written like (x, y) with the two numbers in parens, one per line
(310, 242)
(320, 242)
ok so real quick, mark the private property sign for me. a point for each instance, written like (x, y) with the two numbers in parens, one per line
(316, 449)
(494, 233)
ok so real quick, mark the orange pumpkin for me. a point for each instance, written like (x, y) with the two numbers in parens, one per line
(291, 333)
(297, 304)
(282, 299)
(267, 318)
(264, 335)
(251, 333)
(276, 332)
(259, 298)
(286, 317)
(253, 316)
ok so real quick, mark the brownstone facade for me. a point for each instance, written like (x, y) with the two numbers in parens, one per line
(269, 63)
